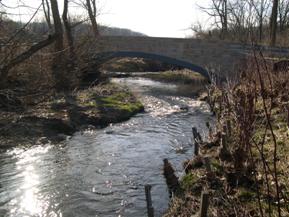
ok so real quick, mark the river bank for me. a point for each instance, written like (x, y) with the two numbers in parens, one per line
(102, 172)
(57, 117)
(183, 76)
(135, 65)
(243, 164)
(138, 67)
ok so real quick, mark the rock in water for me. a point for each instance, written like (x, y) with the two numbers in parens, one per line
(184, 108)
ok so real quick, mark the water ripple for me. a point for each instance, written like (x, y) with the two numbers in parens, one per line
(103, 172)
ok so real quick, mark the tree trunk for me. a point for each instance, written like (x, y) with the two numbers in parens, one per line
(225, 18)
(58, 65)
(46, 9)
(261, 29)
(92, 17)
(22, 57)
(69, 36)
(273, 23)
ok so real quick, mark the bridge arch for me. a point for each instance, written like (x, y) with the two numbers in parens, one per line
(101, 58)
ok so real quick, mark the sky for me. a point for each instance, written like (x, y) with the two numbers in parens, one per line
(158, 18)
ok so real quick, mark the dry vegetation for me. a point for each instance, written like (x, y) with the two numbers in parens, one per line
(184, 76)
(248, 149)
(53, 119)
(259, 21)
(43, 57)
(49, 86)
(135, 65)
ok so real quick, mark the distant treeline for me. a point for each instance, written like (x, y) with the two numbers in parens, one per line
(37, 29)
(257, 21)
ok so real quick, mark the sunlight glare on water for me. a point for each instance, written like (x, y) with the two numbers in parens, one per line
(102, 172)
(29, 201)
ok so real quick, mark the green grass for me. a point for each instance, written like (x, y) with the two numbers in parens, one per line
(182, 76)
(121, 101)
(188, 181)
(126, 65)
(115, 99)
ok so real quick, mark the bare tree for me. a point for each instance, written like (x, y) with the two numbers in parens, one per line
(246, 20)
(47, 13)
(239, 20)
(283, 13)
(92, 13)
(58, 30)
(58, 59)
(69, 35)
(219, 11)
(24, 56)
(261, 9)
(10, 60)
(2, 14)
(273, 23)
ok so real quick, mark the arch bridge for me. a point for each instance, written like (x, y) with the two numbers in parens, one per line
(201, 56)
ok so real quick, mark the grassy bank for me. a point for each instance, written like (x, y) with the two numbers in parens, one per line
(61, 115)
(248, 150)
(134, 65)
(177, 76)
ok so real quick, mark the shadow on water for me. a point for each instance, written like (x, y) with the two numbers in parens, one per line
(103, 172)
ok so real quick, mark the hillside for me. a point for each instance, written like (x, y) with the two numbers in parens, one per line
(84, 28)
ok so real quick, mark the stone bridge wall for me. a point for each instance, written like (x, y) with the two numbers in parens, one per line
(211, 55)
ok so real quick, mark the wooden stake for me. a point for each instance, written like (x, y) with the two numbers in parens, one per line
(204, 204)
(287, 116)
(197, 149)
(150, 209)
(224, 137)
(229, 128)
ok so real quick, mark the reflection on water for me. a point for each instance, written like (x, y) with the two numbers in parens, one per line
(20, 192)
(29, 202)
(103, 172)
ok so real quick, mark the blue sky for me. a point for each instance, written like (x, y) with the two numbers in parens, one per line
(162, 18)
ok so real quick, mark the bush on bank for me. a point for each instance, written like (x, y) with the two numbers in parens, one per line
(248, 149)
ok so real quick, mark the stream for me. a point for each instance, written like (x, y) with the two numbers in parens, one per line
(102, 172)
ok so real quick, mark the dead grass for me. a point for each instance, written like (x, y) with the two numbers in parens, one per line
(252, 116)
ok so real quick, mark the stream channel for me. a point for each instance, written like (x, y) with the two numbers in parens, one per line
(102, 172)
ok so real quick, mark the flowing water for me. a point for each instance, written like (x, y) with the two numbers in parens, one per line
(103, 172)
